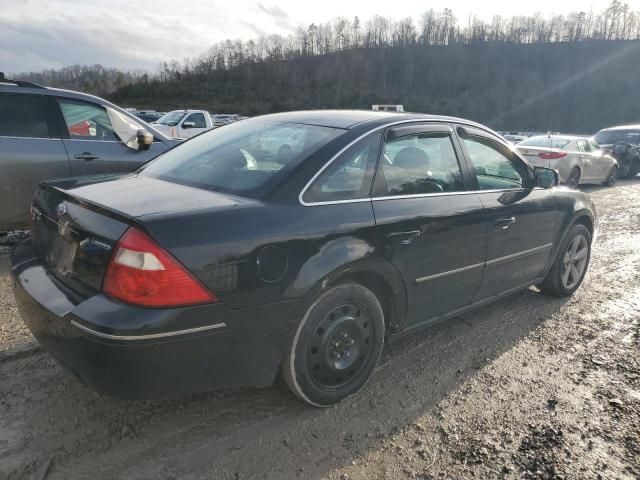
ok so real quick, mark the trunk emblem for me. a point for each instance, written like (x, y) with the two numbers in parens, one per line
(61, 209)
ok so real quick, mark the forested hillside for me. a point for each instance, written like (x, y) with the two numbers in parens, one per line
(576, 72)
(576, 86)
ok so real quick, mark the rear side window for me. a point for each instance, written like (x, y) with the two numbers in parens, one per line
(23, 116)
(86, 121)
(583, 146)
(421, 163)
(348, 177)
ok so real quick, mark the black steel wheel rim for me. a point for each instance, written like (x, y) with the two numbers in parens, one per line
(340, 346)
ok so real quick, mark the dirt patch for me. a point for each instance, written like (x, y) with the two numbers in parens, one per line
(530, 387)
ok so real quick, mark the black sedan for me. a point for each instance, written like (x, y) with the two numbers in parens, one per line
(220, 264)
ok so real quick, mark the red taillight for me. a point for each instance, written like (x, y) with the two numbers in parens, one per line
(141, 272)
(551, 155)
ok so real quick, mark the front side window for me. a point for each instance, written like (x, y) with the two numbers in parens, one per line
(494, 166)
(86, 121)
(197, 119)
(348, 177)
(594, 146)
(420, 163)
(23, 116)
(245, 158)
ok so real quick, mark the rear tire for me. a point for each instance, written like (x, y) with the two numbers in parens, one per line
(574, 178)
(336, 347)
(612, 178)
(570, 265)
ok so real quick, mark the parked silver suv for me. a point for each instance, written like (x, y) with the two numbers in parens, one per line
(48, 133)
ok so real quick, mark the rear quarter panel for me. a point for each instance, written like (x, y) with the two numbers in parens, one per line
(314, 246)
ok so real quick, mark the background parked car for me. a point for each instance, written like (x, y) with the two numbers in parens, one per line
(46, 133)
(578, 160)
(147, 116)
(184, 124)
(623, 143)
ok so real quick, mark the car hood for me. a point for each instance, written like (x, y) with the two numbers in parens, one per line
(135, 196)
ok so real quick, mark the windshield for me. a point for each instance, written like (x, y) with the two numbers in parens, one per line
(609, 137)
(245, 158)
(171, 119)
(548, 142)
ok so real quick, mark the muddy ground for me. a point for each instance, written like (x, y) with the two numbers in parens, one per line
(530, 387)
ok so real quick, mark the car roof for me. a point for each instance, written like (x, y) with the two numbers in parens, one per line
(621, 127)
(347, 119)
(7, 86)
(40, 90)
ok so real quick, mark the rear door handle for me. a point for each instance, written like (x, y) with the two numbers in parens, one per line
(504, 222)
(405, 238)
(85, 156)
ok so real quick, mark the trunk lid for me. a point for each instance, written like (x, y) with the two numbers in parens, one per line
(77, 222)
(532, 155)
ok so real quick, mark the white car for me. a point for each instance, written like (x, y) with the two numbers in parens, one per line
(577, 160)
(183, 124)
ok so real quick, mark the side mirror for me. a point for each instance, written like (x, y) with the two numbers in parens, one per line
(188, 125)
(145, 139)
(545, 177)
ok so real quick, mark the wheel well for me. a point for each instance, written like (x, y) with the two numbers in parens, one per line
(378, 285)
(586, 221)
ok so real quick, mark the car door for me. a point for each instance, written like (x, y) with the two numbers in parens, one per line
(587, 161)
(601, 164)
(92, 143)
(30, 151)
(430, 227)
(192, 125)
(520, 219)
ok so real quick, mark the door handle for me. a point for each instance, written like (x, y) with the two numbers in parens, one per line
(405, 238)
(85, 156)
(504, 222)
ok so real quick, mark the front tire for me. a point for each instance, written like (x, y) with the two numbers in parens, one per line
(634, 168)
(571, 264)
(336, 347)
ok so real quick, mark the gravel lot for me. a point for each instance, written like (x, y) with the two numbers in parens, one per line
(530, 387)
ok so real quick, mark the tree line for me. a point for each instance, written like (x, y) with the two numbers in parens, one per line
(575, 72)
(617, 22)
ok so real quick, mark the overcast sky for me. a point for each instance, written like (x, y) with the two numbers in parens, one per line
(139, 34)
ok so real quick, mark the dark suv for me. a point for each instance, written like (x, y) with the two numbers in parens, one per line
(622, 143)
(47, 133)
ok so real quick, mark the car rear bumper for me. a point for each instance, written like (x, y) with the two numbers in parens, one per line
(135, 353)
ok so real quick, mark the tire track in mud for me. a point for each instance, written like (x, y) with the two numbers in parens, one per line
(47, 419)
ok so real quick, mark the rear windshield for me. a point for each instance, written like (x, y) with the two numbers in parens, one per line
(548, 142)
(608, 137)
(246, 158)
